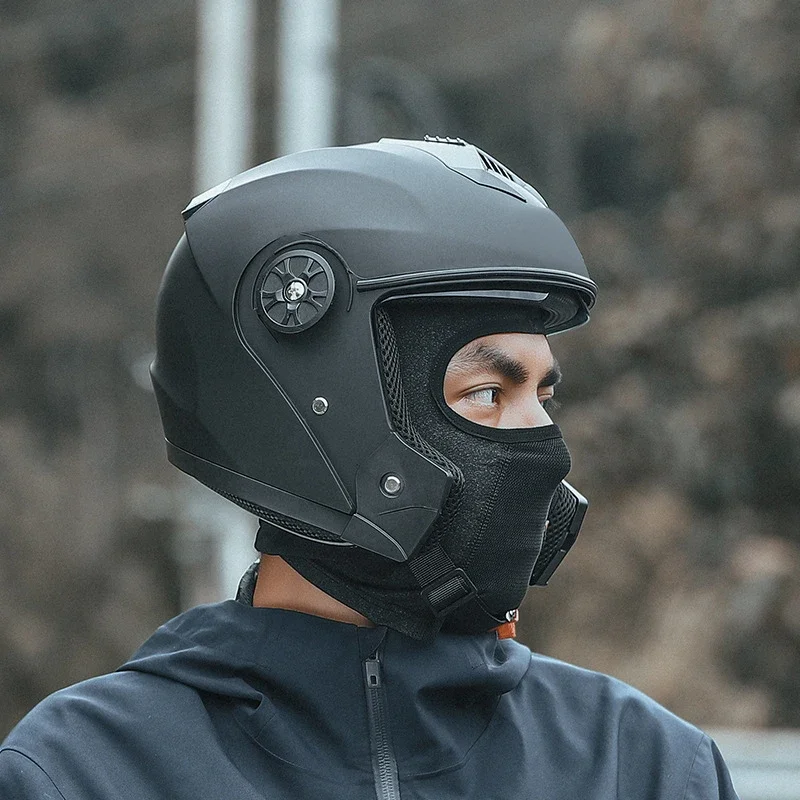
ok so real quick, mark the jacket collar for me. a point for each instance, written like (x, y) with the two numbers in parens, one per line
(295, 682)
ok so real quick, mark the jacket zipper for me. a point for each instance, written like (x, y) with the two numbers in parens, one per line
(384, 765)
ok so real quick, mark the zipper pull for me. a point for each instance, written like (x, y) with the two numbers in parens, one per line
(372, 672)
(384, 764)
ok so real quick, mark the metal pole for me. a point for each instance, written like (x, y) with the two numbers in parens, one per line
(217, 537)
(308, 37)
(225, 89)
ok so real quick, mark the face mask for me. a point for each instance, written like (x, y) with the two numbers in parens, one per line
(493, 523)
(497, 534)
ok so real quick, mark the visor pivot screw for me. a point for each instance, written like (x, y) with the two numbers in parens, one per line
(294, 290)
(319, 405)
(391, 485)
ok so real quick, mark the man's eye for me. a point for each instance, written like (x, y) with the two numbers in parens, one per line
(550, 403)
(483, 397)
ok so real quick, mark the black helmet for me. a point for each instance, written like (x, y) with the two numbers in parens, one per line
(271, 373)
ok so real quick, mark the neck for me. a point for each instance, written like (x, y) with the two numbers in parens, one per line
(281, 586)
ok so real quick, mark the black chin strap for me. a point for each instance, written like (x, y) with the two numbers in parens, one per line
(446, 587)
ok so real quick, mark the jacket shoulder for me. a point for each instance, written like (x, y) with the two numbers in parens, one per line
(97, 703)
(67, 740)
(621, 731)
(588, 694)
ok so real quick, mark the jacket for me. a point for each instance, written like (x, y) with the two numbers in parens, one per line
(231, 702)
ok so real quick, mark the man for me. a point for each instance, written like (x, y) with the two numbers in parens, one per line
(352, 345)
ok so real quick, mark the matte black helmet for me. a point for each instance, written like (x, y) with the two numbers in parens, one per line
(272, 376)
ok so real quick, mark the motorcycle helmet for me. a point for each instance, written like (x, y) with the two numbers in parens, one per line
(276, 371)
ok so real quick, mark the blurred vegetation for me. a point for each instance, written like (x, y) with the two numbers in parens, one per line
(667, 135)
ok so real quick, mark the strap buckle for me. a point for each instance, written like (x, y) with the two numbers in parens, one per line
(448, 592)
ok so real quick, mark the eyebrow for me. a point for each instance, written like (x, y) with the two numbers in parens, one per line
(482, 356)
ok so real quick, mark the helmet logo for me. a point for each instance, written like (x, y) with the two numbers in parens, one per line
(294, 290)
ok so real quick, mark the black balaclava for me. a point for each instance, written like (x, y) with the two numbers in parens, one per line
(493, 522)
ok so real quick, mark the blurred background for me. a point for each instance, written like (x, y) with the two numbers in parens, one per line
(666, 133)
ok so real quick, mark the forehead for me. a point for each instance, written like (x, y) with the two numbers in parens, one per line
(531, 350)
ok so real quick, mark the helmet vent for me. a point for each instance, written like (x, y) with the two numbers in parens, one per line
(445, 140)
(496, 166)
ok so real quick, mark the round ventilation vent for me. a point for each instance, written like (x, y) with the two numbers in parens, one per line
(294, 290)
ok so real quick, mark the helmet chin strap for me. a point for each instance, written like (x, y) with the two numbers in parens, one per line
(446, 587)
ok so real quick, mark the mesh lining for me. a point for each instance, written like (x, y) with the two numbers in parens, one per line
(562, 511)
(284, 522)
(401, 422)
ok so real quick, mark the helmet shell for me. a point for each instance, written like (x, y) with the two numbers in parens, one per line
(240, 398)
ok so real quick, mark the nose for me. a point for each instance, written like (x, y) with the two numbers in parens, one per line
(527, 412)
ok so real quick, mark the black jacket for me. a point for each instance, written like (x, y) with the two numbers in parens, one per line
(232, 702)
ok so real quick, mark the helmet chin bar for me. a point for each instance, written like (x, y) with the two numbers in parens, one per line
(389, 524)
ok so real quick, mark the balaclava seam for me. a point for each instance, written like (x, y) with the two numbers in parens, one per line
(500, 471)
